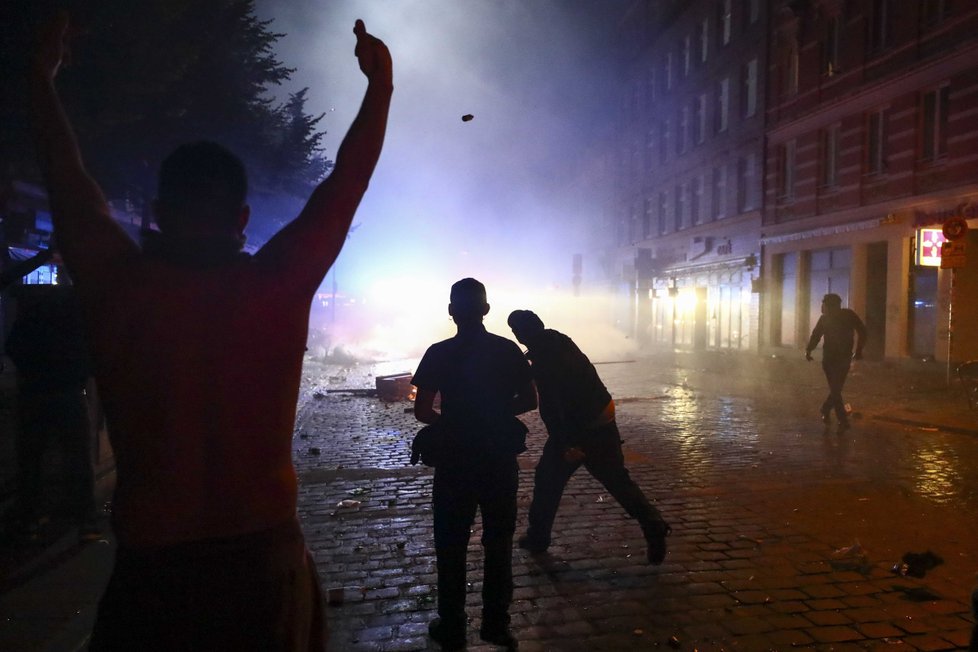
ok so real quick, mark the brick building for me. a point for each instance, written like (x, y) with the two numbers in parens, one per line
(689, 191)
(872, 129)
(770, 151)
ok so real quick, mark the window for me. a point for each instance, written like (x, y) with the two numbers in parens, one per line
(724, 17)
(880, 26)
(682, 143)
(647, 219)
(699, 119)
(752, 11)
(719, 192)
(789, 69)
(933, 12)
(663, 211)
(649, 150)
(680, 198)
(636, 161)
(750, 88)
(830, 157)
(704, 40)
(723, 104)
(664, 141)
(934, 124)
(786, 191)
(633, 225)
(747, 182)
(695, 199)
(876, 142)
(831, 46)
(687, 48)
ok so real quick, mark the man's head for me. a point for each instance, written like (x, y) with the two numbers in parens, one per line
(831, 302)
(201, 193)
(525, 325)
(468, 301)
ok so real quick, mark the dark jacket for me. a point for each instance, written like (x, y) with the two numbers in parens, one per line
(571, 393)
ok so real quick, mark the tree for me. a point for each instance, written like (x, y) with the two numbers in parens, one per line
(149, 75)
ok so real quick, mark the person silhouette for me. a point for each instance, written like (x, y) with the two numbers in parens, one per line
(579, 414)
(839, 327)
(484, 381)
(198, 352)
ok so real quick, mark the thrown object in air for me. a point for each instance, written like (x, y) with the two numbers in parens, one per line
(467, 117)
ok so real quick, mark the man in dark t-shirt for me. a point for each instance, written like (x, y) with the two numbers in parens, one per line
(580, 418)
(484, 382)
(840, 327)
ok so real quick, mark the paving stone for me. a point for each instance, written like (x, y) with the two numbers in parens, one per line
(757, 514)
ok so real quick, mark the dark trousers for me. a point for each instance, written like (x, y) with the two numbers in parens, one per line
(55, 416)
(836, 372)
(604, 460)
(489, 487)
(254, 592)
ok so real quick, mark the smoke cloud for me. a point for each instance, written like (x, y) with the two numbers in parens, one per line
(489, 197)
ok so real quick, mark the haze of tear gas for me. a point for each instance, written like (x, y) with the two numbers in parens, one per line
(486, 197)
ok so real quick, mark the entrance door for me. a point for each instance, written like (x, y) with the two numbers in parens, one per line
(829, 274)
(923, 312)
(876, 301)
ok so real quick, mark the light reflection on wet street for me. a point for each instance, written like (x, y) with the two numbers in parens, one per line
(767, 507)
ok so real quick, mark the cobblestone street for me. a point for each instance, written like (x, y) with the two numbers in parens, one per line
(784, 536)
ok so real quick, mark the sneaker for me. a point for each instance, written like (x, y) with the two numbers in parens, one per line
(449, 638)
(826, 419)
(533, 546)
(655, 537)
(498, 635)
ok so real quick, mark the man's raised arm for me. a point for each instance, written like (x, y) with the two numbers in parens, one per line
(320, 230)
(87, 234)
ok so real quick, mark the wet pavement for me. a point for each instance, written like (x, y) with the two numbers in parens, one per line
(785, 535)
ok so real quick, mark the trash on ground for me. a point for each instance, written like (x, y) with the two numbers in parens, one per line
(314, 451)
(854, 550)
(851, 558)
(359, 491)
(349, 504)
(916, 564)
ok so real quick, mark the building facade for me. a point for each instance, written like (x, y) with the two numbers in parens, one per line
(872, 136)
(689, 182)
(771, 151)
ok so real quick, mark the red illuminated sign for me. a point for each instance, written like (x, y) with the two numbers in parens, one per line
(929, 243)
